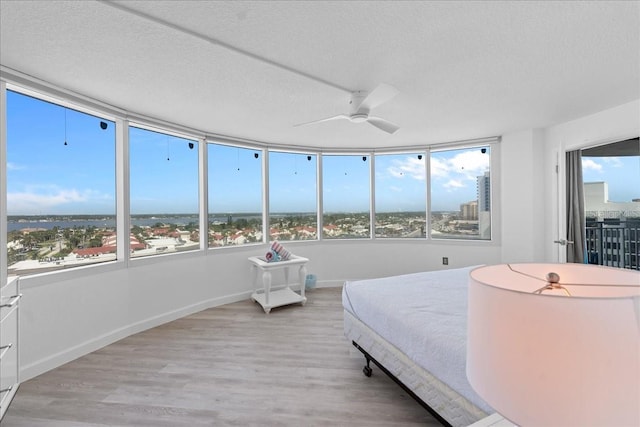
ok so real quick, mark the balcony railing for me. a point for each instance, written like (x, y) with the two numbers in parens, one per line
(613, 243)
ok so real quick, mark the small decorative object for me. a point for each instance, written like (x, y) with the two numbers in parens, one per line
(280, 250)
(272, 256)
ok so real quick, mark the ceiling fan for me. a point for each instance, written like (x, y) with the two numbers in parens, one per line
(362, 103)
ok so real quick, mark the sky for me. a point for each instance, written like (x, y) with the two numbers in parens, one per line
(47, 176)
(622, 175)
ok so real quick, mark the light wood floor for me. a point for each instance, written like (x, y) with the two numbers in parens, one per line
(230, 365)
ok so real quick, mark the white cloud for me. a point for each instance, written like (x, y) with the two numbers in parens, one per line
(453, 184)
(439, 168)
(14, 167)
(614, 162)
(409, 166)
(589, 164)
(459, 171)
(470, 163)
(48, 198)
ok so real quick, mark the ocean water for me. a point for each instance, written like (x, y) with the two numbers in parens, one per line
(99, 223)
(111, 222)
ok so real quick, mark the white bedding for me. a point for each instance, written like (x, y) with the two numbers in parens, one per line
(424, 315)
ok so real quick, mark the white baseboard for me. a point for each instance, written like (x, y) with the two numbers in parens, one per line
(53, 361)
(329, 283)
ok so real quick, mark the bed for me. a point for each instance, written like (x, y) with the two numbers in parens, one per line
(413, 327)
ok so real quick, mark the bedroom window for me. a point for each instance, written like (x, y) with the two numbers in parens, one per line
(235, 195)
(61, 201)
(400, 189)
(163, 193)
(461, 193)
(293, 196)
(346, 193)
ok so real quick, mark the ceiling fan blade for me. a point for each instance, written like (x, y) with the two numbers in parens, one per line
(383, 124)
(340, 116)
(379, 95)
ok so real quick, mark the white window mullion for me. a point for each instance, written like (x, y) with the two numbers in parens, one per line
(123, 205)
(319, 199)
(266, 234)
(203, 167)
(427, 182)
(372, 196)
(3, 183)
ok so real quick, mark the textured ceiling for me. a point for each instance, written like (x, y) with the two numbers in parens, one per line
(254, 69)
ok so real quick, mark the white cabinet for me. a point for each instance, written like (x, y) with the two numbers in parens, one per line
(9, 335)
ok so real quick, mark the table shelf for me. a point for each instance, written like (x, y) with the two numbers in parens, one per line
(278, 298)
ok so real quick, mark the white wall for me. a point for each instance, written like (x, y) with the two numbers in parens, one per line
(522, 196)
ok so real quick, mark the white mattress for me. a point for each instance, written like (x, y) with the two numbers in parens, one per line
(424, 315)
(450, 405)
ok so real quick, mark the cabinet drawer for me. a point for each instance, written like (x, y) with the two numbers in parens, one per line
(8, 359)
(9, 296)
(9, 349)
(9, 370)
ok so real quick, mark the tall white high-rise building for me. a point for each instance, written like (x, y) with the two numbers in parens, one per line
(484, 192)
(484, 205)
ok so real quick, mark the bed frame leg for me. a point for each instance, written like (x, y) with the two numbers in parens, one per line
(367, 372)
(367, 369)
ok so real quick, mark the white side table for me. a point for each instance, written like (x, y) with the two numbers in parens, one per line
(269, 299)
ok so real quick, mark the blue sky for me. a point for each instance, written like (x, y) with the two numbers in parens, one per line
(622, 175)
(45, 176)
(164, 173)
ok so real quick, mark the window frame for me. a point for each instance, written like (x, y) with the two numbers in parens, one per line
(68, 105)
(263, 157)
(492, 185)
(419, 151)
(371, 164)
(123, 119)
(317, 165)
(167, 133)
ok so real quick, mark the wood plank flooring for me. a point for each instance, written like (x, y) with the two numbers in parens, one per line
(232, 365)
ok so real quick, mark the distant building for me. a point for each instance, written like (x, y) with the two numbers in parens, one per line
(108, 246)
(598, 206)
(469, 210)
(484, 192)
(612, 228)
(484, 205)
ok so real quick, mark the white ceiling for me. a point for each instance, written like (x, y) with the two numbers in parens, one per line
(253, 69)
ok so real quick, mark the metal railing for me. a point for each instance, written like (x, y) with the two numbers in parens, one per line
(614, 243)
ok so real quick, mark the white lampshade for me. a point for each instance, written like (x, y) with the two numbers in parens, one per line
(549, 359)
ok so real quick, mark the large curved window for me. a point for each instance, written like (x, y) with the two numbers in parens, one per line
(401, 198)
(346, 190)
(235, 195)
(61, 201)
(461, 193)
(293, 196)
(163, 193)
(61, 190)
